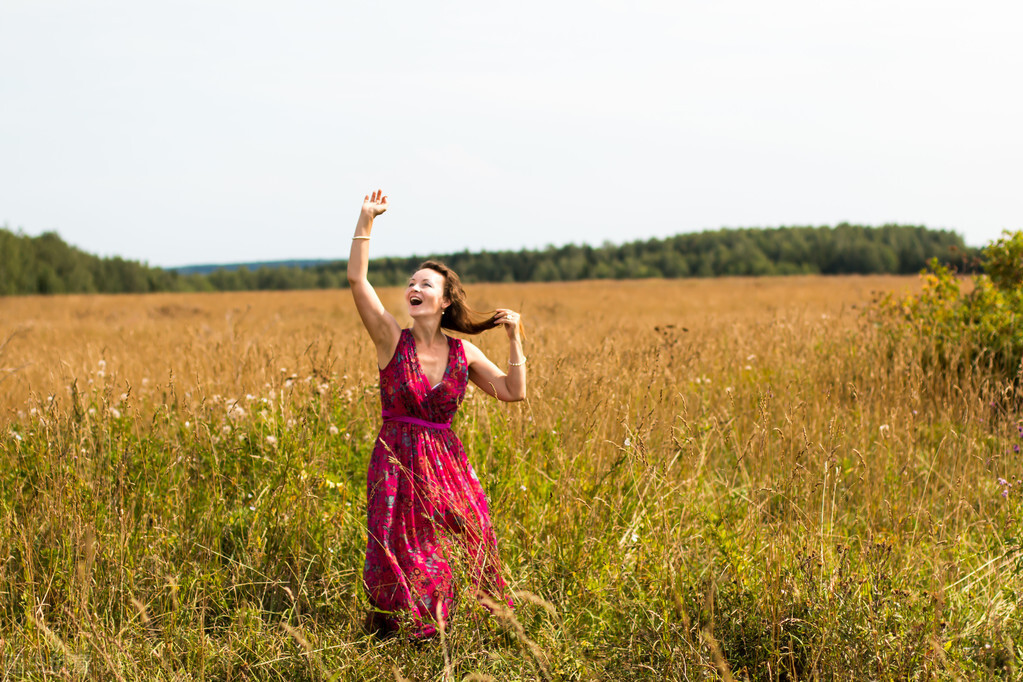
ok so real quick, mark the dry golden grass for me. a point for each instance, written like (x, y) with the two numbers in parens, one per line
(709, 478)
(234, 343)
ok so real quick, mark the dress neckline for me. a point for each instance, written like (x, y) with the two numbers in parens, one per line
(419, 365)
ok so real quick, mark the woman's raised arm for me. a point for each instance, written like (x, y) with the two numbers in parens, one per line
(380, 324)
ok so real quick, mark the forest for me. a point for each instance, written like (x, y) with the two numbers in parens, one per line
(46, 264)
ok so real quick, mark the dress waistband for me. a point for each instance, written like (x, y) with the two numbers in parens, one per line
(392, 417)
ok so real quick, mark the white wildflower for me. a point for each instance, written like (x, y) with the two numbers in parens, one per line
(628, 441)
(522, 488)
(188, 424)
(116, 413)
(271, 440)
(333, 430)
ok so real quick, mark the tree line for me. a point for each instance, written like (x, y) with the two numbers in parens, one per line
(48, 265)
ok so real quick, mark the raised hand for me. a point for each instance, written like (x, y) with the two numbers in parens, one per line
(374, 204)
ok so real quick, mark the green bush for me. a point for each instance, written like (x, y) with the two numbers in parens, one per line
(978, 329)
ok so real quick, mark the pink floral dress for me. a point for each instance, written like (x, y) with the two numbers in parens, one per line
(426, 507)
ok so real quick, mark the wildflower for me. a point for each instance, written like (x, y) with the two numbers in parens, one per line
(188, 424)
(252, 508)
(750, 357)
(226, 429)
(116, 413)
(250, 397)
(271, 440)
(522, 488)
(628, 442)
(289, 383)
(102, 364)
(883, 429)
(92, 410)
(635, 537)
(291, 423)
(16, 436)
(333, 430)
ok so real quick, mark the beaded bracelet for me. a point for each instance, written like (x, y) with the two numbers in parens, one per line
(516, 364)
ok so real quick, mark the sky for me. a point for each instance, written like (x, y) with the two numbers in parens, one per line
(212, 132)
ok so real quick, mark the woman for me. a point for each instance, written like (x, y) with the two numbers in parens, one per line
(425, 503)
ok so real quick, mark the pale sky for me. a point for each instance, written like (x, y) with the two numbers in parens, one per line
(203, 131)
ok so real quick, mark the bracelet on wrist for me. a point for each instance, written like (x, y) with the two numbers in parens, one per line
(517, 364)
(361, 236)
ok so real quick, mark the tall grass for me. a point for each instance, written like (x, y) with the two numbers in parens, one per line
(731, 479)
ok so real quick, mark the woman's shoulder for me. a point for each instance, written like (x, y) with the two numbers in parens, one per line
(471, 351)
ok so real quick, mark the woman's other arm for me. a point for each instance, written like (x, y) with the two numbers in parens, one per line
(380, 324)
(509, 386)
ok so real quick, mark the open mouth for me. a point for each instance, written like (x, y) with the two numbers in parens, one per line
(415, 300)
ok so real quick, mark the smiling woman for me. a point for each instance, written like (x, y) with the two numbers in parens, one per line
(426, 507)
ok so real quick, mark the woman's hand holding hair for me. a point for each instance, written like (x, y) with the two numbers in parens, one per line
(511, 320)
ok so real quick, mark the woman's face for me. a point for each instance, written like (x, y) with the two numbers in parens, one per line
(425, 294)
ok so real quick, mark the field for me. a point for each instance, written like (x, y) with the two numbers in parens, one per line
(709, 479)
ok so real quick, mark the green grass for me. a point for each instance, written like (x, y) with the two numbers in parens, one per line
(781, 502)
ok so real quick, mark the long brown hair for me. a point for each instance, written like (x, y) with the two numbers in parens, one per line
(458, 316)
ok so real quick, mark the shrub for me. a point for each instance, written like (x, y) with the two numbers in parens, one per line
(957, 330)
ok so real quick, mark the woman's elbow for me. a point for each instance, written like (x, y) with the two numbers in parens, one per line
(516, 397)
